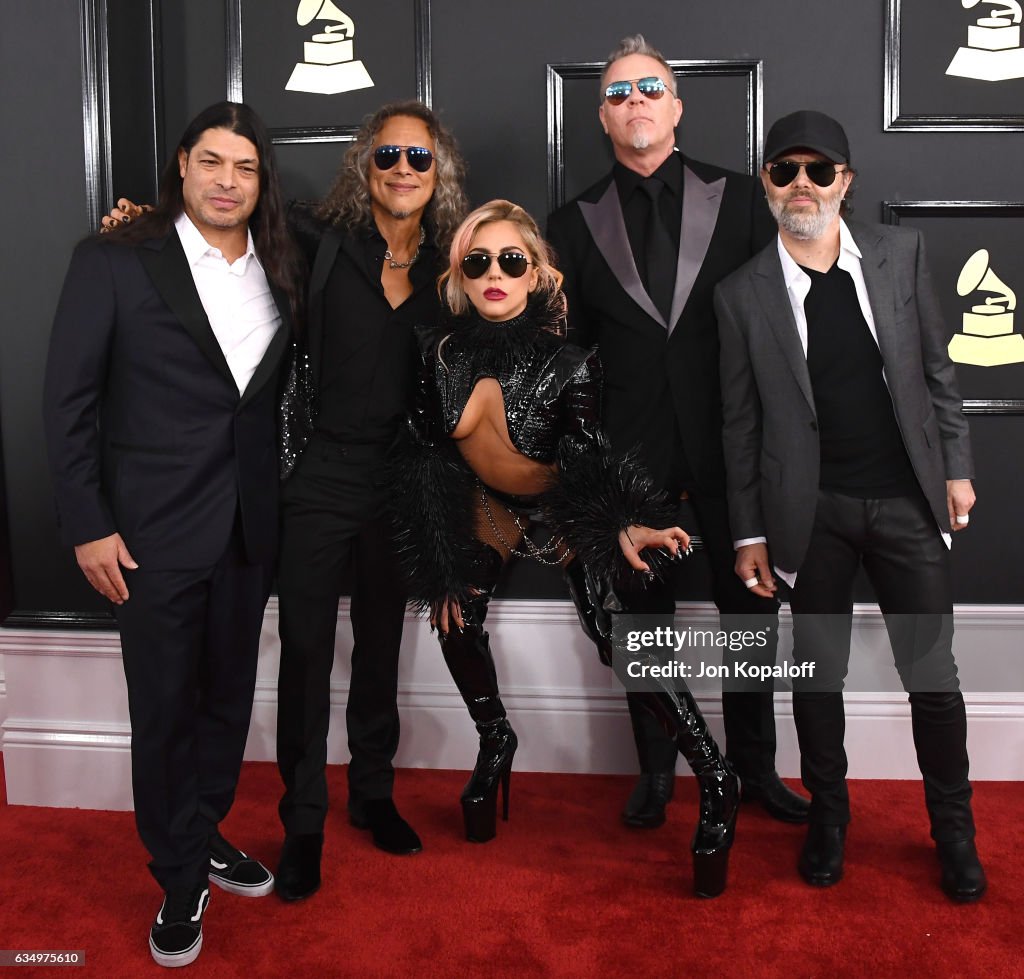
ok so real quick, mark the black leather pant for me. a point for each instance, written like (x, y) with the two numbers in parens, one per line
(907, 563)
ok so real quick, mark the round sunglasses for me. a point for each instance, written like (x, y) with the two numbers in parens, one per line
(418, 157)
(821, 172)
(651, 86)
(512, 263)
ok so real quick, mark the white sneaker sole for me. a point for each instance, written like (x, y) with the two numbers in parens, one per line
(245, 890)
(179, 959)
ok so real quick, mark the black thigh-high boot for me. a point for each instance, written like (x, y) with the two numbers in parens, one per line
(719, 786)
(467, 653)
(680, 716)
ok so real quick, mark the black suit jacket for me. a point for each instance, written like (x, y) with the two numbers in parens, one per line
(660, 375)
(329, 250)
(146, 431)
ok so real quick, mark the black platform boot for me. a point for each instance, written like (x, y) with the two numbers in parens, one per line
(719, 786)
(681, 718)
(468, 655)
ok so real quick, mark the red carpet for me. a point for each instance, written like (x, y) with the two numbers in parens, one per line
(564, 890)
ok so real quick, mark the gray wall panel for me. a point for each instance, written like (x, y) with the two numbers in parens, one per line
(488, 78)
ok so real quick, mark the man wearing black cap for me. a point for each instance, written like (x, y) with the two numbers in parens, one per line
(641, 252)
(845, 443)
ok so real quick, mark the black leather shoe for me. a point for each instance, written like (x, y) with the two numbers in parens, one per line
(298, 872)
(821, 860)
(645, 808)
(776, 798)
(390, 832)
(963, 877)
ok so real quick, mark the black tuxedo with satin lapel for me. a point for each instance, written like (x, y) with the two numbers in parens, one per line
(661, 392)
(660, 376)
(148, 437)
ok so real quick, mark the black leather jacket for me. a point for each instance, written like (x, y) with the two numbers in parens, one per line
(552, 395)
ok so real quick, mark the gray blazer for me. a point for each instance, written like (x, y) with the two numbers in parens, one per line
(771, 433)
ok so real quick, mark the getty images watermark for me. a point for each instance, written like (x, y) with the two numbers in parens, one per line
(672, 655)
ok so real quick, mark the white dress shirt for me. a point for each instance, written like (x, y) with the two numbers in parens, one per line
(798, 285)
(236, 297)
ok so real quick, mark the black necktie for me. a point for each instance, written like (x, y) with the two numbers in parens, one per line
(661, 253)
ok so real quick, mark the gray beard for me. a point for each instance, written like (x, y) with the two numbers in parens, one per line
(401, 215)
(640, 138)
(805, 227)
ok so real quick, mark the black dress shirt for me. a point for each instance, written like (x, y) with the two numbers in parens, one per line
(369, 354)
(635, 211)
(636, 205)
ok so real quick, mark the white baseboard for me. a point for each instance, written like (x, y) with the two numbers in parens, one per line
(66, 736)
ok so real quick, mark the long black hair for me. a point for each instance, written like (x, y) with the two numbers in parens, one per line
(274, 244)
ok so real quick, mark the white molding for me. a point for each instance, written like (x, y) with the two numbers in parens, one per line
(66, 736)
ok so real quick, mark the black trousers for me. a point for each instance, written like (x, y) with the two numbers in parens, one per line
(907, 563)
(190, 643)
(749, 715)
(332, 523)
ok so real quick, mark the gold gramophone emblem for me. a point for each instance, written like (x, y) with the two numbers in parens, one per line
(329, 66)
(993, 52)
(987, 339)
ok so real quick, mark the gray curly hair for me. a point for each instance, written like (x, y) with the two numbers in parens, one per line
(348, 201)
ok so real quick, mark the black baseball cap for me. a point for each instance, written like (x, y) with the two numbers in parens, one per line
(810, 130)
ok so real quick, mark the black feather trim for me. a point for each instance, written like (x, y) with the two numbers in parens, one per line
(595, 495)
(431, 500)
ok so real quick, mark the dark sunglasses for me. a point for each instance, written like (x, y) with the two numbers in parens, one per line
(513, 264)
(822, 172)
(618, 92)
(419, 157)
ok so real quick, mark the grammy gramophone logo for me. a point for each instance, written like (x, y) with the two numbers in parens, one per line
(329, 64)
(993, 52)
(987, 338)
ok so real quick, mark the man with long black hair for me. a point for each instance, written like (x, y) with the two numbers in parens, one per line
(374, 248)
(159, 407)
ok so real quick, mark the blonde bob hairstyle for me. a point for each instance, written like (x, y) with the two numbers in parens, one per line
(450, 286)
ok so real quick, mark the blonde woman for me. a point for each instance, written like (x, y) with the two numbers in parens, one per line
(506, 433)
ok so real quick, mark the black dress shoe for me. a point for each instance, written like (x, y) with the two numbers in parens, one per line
(298, 872)
(390, 832)
(776, 798)
(645, 808)
(821, 860)
(963, 877)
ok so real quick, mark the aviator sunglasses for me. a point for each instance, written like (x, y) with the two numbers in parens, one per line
(418, 157)
(512, 263)
(618, 92)
(821, 172)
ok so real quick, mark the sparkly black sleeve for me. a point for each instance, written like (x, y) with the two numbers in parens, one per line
(432, 494)
(598, 493)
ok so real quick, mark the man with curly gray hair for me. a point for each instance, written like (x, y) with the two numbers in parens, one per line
(375, 246)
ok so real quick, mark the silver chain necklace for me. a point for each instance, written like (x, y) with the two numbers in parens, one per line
(390, 259)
